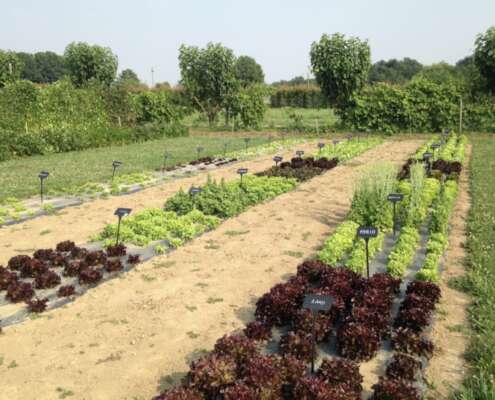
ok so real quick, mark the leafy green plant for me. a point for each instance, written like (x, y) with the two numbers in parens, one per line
(154, 224)
(339, 243)
(226, 199)
(345, 150)
(369, 204)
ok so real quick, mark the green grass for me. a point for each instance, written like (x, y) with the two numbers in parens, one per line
(480, 280)
(275, 119)
(20, 177)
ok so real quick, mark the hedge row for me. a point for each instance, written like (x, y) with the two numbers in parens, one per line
(300, 96)
(419, 106)
(20, 144)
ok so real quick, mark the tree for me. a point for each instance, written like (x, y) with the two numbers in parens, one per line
(208, 76)
(340, 66)
(394, 71)
(248, 71)
(86, 62)
(51, 66)
(484, 57)
(10, 67)
(128, 77)
(439, 73)
(42, 67)
(29, 70)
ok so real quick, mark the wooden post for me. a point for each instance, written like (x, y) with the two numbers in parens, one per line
(460, 115)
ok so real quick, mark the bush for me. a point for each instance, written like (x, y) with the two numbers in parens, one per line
(419, 106)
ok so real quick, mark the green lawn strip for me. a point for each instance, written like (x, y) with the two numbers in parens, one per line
(19, 177)
(480, 279)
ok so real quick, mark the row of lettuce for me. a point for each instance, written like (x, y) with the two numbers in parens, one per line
(186, 215)
(254, 364)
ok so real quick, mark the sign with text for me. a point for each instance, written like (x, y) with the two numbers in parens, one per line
(366, 232)
(321, 145)
(315, 302)
(43, 175)
(242, 171)
(427, 155)
(277, 159)
(300, 153)
(435, 146)
(116, 163)
(395, 197)
(121, 212)
(194, 190)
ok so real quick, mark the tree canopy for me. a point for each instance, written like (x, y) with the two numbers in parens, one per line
(86, 63)
(128, 77)
(10, 67)
(248, 71)
(394, 71)
(484, 57)
(340, 66)
(208, 76)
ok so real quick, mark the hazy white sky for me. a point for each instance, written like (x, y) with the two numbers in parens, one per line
(277, 33)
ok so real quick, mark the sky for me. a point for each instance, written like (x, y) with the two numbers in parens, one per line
(146, 34)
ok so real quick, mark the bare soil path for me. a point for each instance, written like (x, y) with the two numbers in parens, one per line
(130, 337)
(448, 367)
(80, 222)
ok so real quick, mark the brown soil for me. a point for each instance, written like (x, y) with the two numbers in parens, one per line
(80, 222)
(131, 337)
(448, 367)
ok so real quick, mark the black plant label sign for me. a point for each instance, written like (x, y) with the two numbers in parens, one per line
(122, 211)
(315, 302)
(335, 142)
(116, 164)
(321, 145)
(395, 197)
(366, 232)
(435, 146)
(43, 175)
(242, 171)
(277, 158)
(194, 190)
(427, 155)
(300, 153)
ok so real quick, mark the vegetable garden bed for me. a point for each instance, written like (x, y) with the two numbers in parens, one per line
(270, 358)
(13, 210)
(40, 278)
